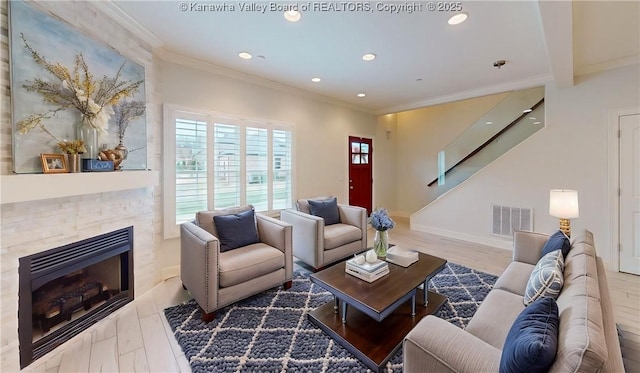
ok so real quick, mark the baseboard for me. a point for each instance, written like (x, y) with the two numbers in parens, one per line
(170, 272)
(488, 241)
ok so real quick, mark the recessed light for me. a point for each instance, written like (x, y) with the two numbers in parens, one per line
(533, 118)
(527, 111)
(489, 123)
(369, 57)
(458, 18)
(245, 55)
(361, 94)
(316, 80)
(537, 122)
(292, 15)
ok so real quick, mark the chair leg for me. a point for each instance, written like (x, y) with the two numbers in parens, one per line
(287, 285)
(207, 317)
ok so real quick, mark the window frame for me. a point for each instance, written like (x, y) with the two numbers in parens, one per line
(172, 113)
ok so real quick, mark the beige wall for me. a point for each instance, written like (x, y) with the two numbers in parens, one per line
(322, 131)
(34, 226)
(570, 152)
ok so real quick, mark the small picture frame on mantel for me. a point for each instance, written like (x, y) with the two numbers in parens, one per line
(54, 163)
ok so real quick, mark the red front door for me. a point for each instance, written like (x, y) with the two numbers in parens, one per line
(361, 172)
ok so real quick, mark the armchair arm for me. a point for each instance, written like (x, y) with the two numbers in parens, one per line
(278, 234)
(527, 246)
(308, 236)
(356, 216)
(199, 265)
(435, 345)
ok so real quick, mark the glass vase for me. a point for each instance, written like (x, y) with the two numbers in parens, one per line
(89, 135)
(381, 243)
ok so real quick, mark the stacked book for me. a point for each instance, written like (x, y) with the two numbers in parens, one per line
(367, 271)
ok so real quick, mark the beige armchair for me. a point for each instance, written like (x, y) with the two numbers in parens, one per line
(215, 277)
(319, 245)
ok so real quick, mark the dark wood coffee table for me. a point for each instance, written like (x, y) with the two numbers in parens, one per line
(375, 317)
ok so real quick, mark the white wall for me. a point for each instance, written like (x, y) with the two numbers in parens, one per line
(322, 130)
(570, 152)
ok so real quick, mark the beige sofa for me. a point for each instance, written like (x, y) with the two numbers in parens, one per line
(587, 341)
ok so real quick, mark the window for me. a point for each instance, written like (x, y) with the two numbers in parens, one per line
(221, 161)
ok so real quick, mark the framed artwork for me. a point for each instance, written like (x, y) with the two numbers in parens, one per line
(54, 163)
(89, 65)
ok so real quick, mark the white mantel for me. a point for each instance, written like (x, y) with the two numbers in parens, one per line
(34, 187)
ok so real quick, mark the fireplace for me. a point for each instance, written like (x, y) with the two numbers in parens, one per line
(65, 290)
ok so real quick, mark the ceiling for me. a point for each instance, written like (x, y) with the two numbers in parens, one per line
(421, 59)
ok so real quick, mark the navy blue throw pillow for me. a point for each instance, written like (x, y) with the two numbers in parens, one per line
(327, 209)
(557, 241)
(236, 230)
(532, 341)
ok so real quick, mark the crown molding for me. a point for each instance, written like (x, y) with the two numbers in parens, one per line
(113, 11)
(531, 82)
(608, 65)
(183, 60)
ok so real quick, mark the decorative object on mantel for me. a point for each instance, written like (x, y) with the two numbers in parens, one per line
(124, 113)
(112, 155)
(381, 222)
(56, 68)
(73, 150)
(54, 163)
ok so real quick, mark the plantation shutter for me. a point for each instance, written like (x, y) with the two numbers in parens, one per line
(257, 168)
(227, 165)
(282, 169)
(191, 168)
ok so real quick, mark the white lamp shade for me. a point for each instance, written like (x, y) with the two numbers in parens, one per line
(563, 203)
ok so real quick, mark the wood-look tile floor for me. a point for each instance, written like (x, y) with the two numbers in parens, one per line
(137, 338)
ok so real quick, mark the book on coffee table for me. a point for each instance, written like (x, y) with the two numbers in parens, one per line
(367, 266)
(368, 272)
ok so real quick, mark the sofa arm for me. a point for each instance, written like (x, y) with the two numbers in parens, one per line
(199, 265)
(435, 345)
(527, 246)
(278, 234)
(356, 216)
(308, 236)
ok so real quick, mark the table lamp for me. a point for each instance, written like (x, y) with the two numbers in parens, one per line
(563, 204)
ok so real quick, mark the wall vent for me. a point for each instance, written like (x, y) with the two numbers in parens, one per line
(506, 220)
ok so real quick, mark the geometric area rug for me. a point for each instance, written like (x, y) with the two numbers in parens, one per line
(269, 332)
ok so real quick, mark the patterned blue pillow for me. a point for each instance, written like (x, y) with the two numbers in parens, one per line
(532, 342)
(547, 278)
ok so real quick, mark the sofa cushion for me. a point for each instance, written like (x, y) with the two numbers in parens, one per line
(582, 344)
(340, 234)
(494, 317)
(327, 209)
(236, 230)
(515, 278)
(557, 241)
(547, 279)
(532, 341)
(248, 262)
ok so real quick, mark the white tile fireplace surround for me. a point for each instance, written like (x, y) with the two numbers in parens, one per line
(30, 227)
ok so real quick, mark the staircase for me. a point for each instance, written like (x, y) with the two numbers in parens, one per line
(518, 116)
